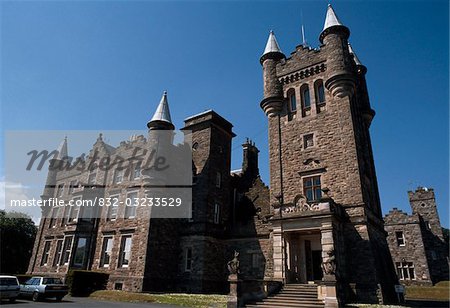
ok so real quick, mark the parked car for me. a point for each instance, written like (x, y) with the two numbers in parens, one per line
(9, 288)
(44, 287)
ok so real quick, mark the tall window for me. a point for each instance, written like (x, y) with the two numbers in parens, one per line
(292, 100)
(131, 204)
(400, 238)
(125, 251)
(45, 253)
(113, 207)
(137, 171)
(92, 177)
(311, 188)
(306, 100)
(54, 217)
(188, 260)
(216, 213)
(74, 210)
(218, 180)
(57, 257)
(72, 186)
(320, 92)
(60, 190)
(118, 176)
(106, 251)
(80, 256)
(405, 270)
(66, 251)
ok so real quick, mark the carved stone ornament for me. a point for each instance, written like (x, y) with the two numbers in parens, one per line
(329, 263)
(312, 163)
(233, 265)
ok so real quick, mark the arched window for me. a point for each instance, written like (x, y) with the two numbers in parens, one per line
(306, 100)
(292, 100)
(320, 92)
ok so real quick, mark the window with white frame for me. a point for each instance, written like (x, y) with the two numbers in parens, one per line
(80, 254)
(58, 252)
(113, 207)
(405, 270)
(125, 251)
(188, 259)
(45, 253)
(131, 204)
(106, 251)
(67, 250)
(72, 186)
(54, 217)
(74, 210)
(92, 177)
(400, 236)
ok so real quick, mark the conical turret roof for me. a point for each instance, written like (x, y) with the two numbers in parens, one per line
(162, 113)
(62, 150)
(355, 57)
(272, 48)
(331, 21)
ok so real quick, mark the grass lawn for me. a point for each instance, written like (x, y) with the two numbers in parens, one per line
(438, 292)
(186, 300)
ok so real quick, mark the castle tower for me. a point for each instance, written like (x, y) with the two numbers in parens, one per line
(423, 204)
(323, 185)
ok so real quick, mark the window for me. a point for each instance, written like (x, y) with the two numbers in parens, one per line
(216, 213)
(137, 171)
(131, 204)
(72, 186)
(45, 253)
(218, 179)
(53, 218)
(405, 270)
(255, 260)
(308, 141)
(400, 238)
(188, 260)
(106, 251)
(195, 146)
(74, 210)
(60, 190)
(57, 257)
(292, 100)
(320, 92)
(125, 251)
(118, 176)
(113, 207)
(118, 286)
(311, 188)
(306, 100)
(80, 256)
(92, 177)
(67, 249)
(427, 225)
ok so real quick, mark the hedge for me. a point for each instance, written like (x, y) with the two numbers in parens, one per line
(83, 283)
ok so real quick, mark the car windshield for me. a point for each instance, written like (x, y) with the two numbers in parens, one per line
(51, 281)
(8, 282)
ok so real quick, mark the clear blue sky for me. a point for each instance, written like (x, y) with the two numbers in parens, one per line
(104, 65)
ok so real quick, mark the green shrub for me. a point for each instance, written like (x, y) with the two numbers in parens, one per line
(83, 283)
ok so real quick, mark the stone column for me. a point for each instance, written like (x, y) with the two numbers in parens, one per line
(278, 255)
(328, 288)
(233, 301)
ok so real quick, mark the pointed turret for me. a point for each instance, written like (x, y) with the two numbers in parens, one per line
(272, 103)
(161, 119)
(272, 50)
(62, 150)
(332, 24)
(361, 68)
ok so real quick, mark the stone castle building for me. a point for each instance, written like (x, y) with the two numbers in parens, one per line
(318, 225)
(418, 249)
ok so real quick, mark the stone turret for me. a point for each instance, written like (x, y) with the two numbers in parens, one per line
(340, 78)
(272, 103)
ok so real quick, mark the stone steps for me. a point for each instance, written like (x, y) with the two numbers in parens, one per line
(292, 296)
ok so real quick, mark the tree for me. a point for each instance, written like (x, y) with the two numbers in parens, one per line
(17, 234)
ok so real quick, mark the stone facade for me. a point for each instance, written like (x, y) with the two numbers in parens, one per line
(419, 252)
